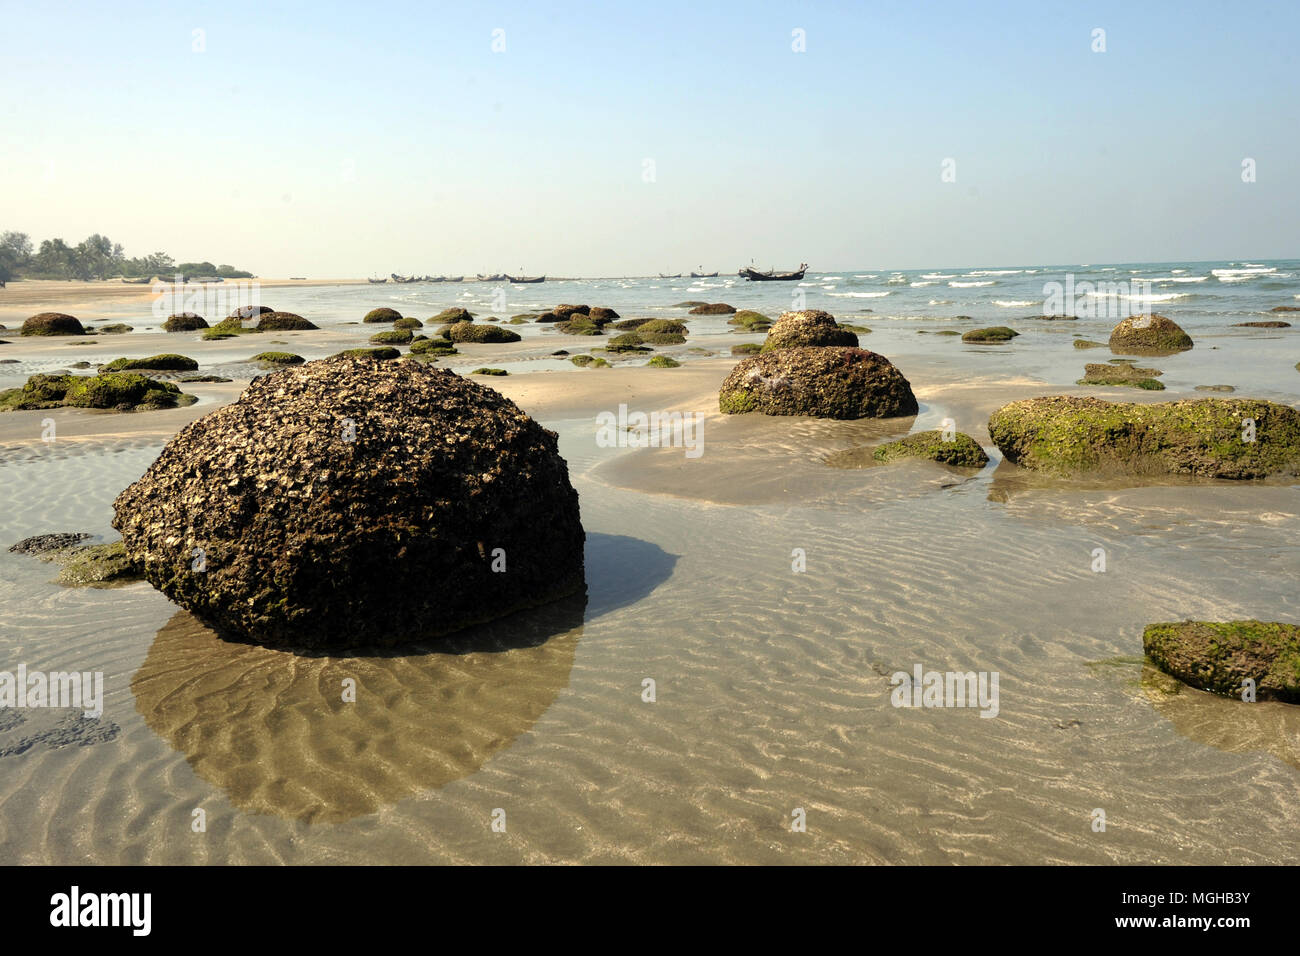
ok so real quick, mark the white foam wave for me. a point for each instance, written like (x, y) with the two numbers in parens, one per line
(968, 285)
(1015, 303)
(859, 295)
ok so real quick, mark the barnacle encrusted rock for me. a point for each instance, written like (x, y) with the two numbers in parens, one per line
(1205, 437)
(283, 322)
(821, 381)
(184, 322)
(1220, 656)
(808, 327)
(351, 502)
(1149, 335)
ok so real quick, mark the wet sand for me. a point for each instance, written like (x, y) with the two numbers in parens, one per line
(772, 684)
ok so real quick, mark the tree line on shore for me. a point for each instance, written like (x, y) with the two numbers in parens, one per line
(96, 257)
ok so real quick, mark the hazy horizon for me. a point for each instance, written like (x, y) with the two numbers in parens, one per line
(327, 142)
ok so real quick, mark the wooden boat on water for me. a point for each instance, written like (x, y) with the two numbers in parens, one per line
(704, 275)
(524, 279)
(453, 278)
(499, 277)
(662, 276)
(136, 281)
(754, 275)
(403, 280)
(376, 281)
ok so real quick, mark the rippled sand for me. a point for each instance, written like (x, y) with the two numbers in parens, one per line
(772, 686)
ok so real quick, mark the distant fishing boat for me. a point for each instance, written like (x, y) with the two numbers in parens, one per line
(402, 280)
(662, 276)
(499, 277)
(453, 278)
(376, 281)
(135, 281)
(704, 275)
(754, 275)
(297, 278)
(432, 279)
(518, 279)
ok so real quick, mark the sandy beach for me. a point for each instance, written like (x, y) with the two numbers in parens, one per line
(772, 685)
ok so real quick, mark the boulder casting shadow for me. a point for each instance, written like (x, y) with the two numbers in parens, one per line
(272, 730)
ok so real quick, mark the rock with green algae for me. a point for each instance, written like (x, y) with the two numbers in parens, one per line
(989, 336)
(489, 371)
(1205, 438)
(409, 322)
(278, 358)
(628, 342)
(392, 337)
(474, 332)
(97, 566)
(1149, 335)
(1088, 344)
(660, 326)
(578, 324)
(122, 391)
(807, 328)
(52, 323)
(818, 381)
(448, 316)
(663, 361)
(378, 354)
(283, 322)
(183, 322)
(713, 308)
(957, 449)
(436, 346)
(750, 321)
(167, 362)
(1220, 656)
(746, 348)
(117, 328)
(382, 315)
(1121, 374)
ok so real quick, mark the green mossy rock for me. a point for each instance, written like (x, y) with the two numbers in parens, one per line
(117, 328)
(278, 358)
(473, 332)
(628, 342)
(283, 322)
(961, 450)
(994, 334)
(167, 362)
(40, 391)
(410, 322)
(124, 391)
(1219, 656)
(216, 335)
(382, 315)
(433, 347)
(689, 304)
(448, 316)
(1149, 335)
(749, 319)
(947, 332)
(747, 348)
(392, 337)
(1123, 375)
(1201, 437)
(810, 327)
(52, 323)
(489, 371)
(663, 361)
(601, 315)
(713, 308)
(98, 566)
(562, 312)
(183, 322)
(660, 326)
(581, 360)
(1088, 344)
(578, 324)
(378, 354)
(661, 338)
(820, 381)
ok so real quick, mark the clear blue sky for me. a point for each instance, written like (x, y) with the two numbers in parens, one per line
(328, 139)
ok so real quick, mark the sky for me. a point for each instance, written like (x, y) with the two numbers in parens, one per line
(341, 140)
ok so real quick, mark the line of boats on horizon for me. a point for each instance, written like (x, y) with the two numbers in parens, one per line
(749, 273)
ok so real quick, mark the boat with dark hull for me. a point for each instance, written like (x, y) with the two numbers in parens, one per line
(376, 281)
(662, 276)
(499, 277)
(704, 275)
(453, 278)
(526, 279)
(754, 275)
(404, 280)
